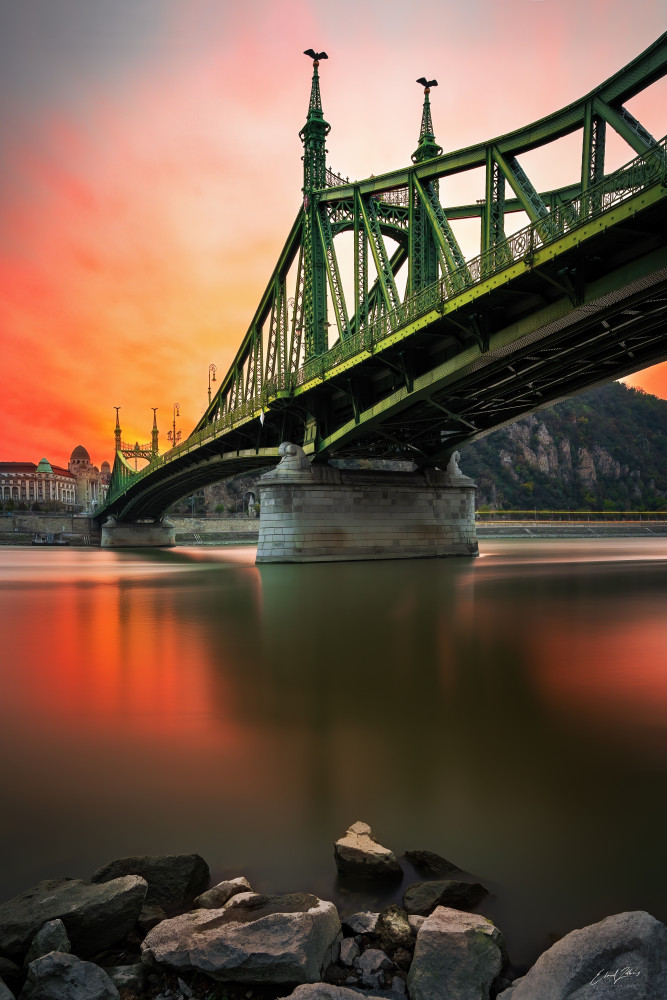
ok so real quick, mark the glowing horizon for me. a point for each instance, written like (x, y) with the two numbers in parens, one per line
(151, 172)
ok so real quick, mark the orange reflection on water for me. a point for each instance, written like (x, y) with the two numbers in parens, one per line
(597, 670)
(103, 660)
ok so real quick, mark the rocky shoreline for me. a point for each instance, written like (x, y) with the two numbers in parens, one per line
(151, 928)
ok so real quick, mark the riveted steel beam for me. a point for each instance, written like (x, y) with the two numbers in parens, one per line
(626, 125)
(639, 74)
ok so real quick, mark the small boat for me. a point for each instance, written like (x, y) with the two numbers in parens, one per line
(49, 538)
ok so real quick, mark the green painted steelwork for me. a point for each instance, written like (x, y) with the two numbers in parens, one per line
(287, 383)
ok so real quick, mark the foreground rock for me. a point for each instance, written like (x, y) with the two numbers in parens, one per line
(429, 863)
(95, 916)
(359, 854)
(221, 893)
(150, 915)
(349, 951)
(131, 977)
(371, 966)
(364, 922)
(173, 880)
(59, 976)
(4, 992)
(325, 991)
(394, 930)
(457, 957)
(264, 939)
(624, 955)
(51, 937)
(423, 897)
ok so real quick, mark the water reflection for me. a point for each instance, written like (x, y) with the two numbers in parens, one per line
(507, 712)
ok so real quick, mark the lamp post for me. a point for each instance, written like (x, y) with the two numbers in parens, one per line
(173, 435)
(211, 371)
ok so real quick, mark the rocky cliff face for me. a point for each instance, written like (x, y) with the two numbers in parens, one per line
(606, 449)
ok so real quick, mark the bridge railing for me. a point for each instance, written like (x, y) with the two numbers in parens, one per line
(644, 170)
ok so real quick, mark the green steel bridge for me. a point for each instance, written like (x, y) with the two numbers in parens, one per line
(431, 350)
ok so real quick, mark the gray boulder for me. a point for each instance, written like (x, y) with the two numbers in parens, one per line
(173, 880)
(394, 929)
(371, 965)
(221, 893)
(5, 993)
(349, 951)
(457, 957)
(423, 897)
(132, 977)
(361, 923)
(270, 939)
(245, 900)
(51, 937)
(429, 863)
(624, 955)
(359, 854)
(95, 916)
(326, 991)
(59, 976)
(151, 914)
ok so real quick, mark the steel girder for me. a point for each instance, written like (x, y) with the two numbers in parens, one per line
(284, 380)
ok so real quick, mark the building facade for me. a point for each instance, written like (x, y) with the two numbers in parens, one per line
(92, 484)
(79, 487)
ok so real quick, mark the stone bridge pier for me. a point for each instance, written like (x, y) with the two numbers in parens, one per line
(320, 513)
(137, 534)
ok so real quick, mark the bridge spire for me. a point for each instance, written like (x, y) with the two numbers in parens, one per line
(313, 136)
(154, 433)
(314, 132)
(427, 147)
(117, 431)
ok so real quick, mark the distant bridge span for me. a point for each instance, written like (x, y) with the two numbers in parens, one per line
(430, 351)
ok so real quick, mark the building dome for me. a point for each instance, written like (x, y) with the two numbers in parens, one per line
(105, 467)
(44, 466)
(80, 453)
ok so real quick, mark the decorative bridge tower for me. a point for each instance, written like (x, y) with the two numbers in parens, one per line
(313, 136)
(423, 249)
(320, 513)
(121, 534)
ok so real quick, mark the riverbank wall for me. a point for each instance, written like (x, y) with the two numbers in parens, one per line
(211, 531)
(571, 529)
(79, 529)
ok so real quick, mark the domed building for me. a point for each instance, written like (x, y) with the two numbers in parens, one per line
(79, 487)
(92, 484)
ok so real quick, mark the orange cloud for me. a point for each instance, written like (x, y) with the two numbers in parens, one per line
(142, 221)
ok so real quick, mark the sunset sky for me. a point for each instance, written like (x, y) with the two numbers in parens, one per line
(150, 170)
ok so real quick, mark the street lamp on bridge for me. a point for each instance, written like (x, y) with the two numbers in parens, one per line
(173, 435)
(211, 371)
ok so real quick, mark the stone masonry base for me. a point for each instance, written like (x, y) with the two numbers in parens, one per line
(137, 534)
(318, 513)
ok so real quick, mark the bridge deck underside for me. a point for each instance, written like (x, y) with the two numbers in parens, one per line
(150, 497)
(594, 312)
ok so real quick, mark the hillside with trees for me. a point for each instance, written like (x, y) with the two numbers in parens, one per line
(605, 450)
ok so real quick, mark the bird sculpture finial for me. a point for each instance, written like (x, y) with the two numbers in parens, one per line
(427, 84)
(315, 56)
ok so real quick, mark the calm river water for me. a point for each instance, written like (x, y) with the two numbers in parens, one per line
(509, 713)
